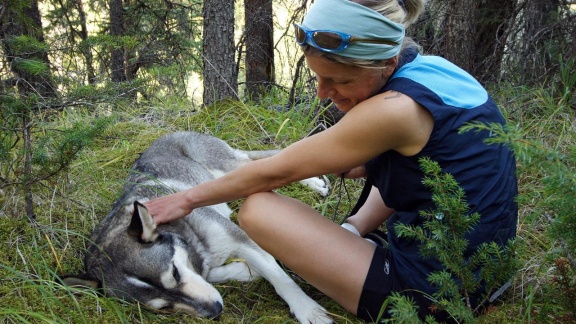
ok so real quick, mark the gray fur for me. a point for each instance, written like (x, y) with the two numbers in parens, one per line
(168, 267)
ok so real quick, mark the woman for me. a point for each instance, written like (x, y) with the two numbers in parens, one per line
(400, 106)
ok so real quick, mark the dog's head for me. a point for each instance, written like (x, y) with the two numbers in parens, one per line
(154, 266)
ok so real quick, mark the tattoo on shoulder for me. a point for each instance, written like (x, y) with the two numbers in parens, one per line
(393, 95)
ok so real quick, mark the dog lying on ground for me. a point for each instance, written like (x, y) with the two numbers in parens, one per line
(170, 266)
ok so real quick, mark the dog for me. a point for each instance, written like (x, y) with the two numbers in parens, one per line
(170, 267)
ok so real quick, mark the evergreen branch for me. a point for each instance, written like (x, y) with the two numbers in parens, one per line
(443, 236)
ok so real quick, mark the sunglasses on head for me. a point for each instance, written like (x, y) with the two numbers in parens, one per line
(330, 40)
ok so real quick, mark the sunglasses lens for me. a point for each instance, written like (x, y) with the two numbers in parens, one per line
(327, 40)
(300, 34)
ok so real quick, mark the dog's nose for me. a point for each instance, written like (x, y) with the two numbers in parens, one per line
(217, 308)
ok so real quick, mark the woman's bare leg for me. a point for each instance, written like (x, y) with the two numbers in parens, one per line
(327, 256)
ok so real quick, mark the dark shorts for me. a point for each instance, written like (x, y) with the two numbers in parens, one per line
(380, 282)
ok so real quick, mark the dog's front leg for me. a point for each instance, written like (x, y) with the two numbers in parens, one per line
(237, 270)
(304, 308)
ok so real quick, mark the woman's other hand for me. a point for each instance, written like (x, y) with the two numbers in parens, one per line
(357, 172)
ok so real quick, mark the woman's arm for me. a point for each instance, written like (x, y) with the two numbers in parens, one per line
(372, 214)
(374, 126)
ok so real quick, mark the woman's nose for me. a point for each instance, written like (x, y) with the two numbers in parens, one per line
(323, 90)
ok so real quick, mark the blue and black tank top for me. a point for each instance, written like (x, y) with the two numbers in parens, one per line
(487, 173)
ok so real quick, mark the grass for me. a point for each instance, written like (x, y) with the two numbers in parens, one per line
(69, 206)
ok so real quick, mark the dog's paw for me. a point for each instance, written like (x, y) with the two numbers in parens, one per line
(320, 185)
(309, 311)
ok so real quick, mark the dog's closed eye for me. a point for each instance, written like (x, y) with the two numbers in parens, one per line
(175, 273)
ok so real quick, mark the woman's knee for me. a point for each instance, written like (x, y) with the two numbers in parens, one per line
(252, 210)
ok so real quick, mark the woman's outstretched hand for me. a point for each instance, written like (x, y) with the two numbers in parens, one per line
(168, 208)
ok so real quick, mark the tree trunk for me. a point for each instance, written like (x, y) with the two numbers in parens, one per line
(460, 33)
(117, 30)
(259, 47)
(31, 79)
(27, 23)
(493, 21)
(220, 76)
(540, 17)
(86, 50)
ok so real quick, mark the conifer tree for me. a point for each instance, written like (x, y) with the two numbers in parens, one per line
(443, 236)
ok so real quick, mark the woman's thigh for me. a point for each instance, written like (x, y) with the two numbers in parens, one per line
(327, 256)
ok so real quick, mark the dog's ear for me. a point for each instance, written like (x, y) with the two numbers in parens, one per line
(82, 280)
(142, 225)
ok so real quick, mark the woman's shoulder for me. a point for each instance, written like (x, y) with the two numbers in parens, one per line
(436, 80)
(395, 116)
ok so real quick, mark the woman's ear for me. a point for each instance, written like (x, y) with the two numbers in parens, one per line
(389, 66)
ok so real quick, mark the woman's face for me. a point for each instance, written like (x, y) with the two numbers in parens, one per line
(346, 85)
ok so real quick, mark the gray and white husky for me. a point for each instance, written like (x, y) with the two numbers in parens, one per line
(170, 266)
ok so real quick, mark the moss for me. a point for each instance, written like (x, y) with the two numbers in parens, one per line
(506, 314)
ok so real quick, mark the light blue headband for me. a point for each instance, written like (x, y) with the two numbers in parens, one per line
(359, 21)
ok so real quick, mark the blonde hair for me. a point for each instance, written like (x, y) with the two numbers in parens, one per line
(404, 12)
